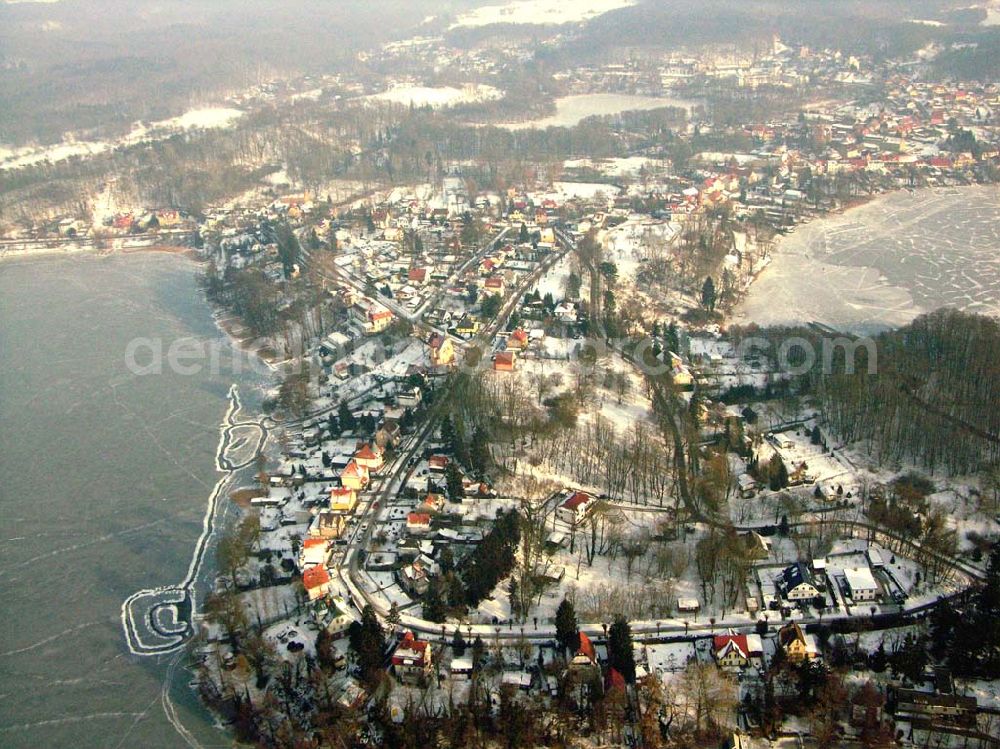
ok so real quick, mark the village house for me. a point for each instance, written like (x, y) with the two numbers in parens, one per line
(860, 583)
(796, 583)
(370, 458)
(585, 656)
(947, 709)
(333, 614)
(316, 581)
(415, 578)
(517, 341)
(797, 645)
(313, 552)
(377, 320)
(505, 361)
(418, 522)
(388, 435)
(467, 326)
(411, 661)
(494, 285)
(354, 476)
(433, 503)
(576, 507)
(461, 668)
(343, 499)
(327, 524)
(442, 350)
(409, 398)
(733, 652)
(438, 463)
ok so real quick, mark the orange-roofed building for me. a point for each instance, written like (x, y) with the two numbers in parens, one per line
(504, 361)
(316, 581)
(418, 522)
(370, 458)
(517, 341)
(354, 476)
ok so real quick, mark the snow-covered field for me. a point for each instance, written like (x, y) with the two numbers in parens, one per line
(570, 110)
(539, 12)
(622, 167)
(884, 263)
(440, 96)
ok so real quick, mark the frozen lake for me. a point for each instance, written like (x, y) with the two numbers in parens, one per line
(882, 264)
(571, 110)
(106, 481)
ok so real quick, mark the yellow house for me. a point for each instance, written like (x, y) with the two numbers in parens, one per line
(354, 476)
(796, 645)
(343, 498)
(442, 350)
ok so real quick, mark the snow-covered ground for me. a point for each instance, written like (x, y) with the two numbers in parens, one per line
(570, 110)
(440, 96)
(539, 12)
(629, 166)
(884, 263)
(203, 118)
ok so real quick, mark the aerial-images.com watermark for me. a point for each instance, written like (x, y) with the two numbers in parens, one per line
(792, 356)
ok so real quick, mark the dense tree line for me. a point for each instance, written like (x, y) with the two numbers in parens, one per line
(966, 633)
(931, 399)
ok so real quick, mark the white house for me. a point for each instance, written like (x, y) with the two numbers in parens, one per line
(796, 583)
(861, 584)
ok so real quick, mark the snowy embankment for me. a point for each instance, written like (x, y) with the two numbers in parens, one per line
(204, 118)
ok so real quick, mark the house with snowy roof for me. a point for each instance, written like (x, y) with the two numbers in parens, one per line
(412, 660)
(576, 507)
(354, 476)
(733, 652)
(796, 583)
(313, 552)
(861, 584)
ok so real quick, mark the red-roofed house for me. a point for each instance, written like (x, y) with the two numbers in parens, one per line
(354, 476)
(316, 581)
(517, 341)
(734, 651)
(495, 285)
(378, 320)
(417, 276)
(411, 661)
(504, 361)
(369, 457)
(576, 507)
(418, 522)
(438, 463)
